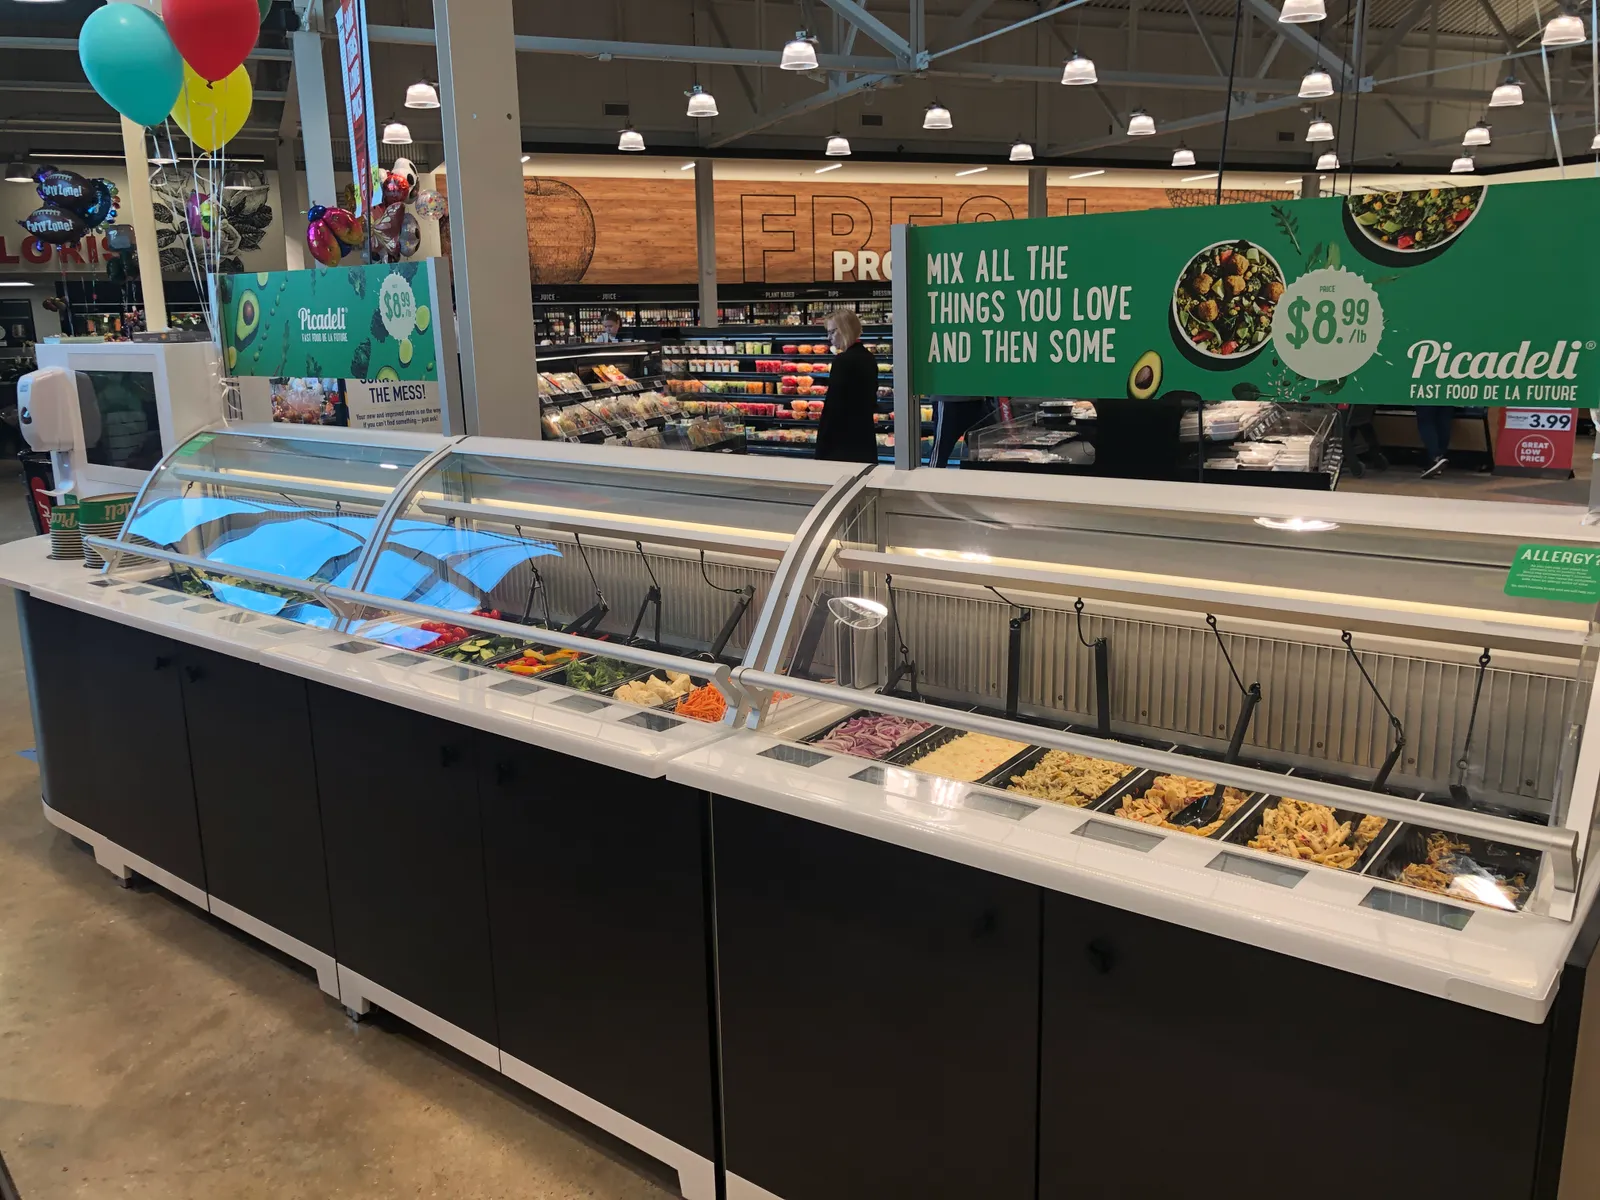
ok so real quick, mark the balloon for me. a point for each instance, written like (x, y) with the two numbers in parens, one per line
(324, 246)
(119, 238)
(55, 226)
(406, 170)
(265, 6)
(103, 207)
(66, 189)
(386, 231)
(395, 188)
(343, 225)
(410, 236)
(198, 211)
(214, 36)
(130, 59)
(430, 205)
(213, 114)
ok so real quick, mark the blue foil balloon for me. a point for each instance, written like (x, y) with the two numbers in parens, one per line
(130, 59)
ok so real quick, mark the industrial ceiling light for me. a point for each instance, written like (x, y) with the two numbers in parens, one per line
(937, 117)
(800, 54)
(19, 172)
(1595, 144)
(630, 139)
(1316, 84)
(1183, 156)
(396, 133)
(1079, 71)
(1328, 162)
(1320, 130)
(422, 95)
(838, 145)
(1302, 12)
(235, 181)
(1141, 123)
(1478, 135)
(1507, 95)
(1463, 165)
(1563, 29)
(1021, 151)
(701, 102)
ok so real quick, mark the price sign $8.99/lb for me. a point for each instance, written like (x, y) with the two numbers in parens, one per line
(1328, 324)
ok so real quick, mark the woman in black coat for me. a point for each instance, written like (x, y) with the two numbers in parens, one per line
(846, 433)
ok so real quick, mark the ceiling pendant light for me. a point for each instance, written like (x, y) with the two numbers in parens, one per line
(701, 102)
(937, 117)
(630, 140)
(838, 146)
(1563, 29)
(1478, 135)
(19, 172)
(1320, 130)
(1316, 84)
(1328, 162)
(1078, 71)
(1302, 12)
(1463, 165)
(1595, 144)
(396, 133)
(1183, 156)
(800, 54)
(1507, 95)
(422, 95)
(1141, 123)
(1021, 151)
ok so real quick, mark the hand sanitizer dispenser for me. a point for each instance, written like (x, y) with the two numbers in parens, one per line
(57, 413)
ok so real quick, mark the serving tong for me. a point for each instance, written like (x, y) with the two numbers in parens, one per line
(1199, 813)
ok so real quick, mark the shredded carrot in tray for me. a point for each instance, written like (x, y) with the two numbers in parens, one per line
(703, 704)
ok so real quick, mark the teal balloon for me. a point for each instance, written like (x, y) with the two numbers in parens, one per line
(130, 59)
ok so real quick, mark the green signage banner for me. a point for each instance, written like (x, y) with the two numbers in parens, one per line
(379, 322)
(1555, 573)
(1450, 295)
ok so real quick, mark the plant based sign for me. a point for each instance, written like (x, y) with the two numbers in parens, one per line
(1446, 295)
(368, 322)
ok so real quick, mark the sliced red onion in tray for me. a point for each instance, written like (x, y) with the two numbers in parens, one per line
(872, 736)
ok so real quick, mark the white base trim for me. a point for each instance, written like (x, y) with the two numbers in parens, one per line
(358, 993)
(322, 964)
(743, 1189)
(122, 862)
(697, 1176)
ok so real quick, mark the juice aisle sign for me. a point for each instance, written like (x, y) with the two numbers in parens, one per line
(1449, 295)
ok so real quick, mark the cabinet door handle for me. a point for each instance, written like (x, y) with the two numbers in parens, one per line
(504, 773)
(163, 661)
(1102, 955)
(449, 756)
(195, 674)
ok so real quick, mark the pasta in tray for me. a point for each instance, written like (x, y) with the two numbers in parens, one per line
(1310, 832)
(1170, 794)
(1065, 778)
(969, 757)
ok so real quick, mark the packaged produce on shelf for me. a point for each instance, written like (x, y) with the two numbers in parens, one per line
(1170, 794)
(703, 704)
(1311, 832)
(1066, 778)
(560, 383)
(969, 757)
(480, 648)
(871, 735)
(534, 661)
(611, 373)
(656, 690)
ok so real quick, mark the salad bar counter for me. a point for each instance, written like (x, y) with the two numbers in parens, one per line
(830, 832)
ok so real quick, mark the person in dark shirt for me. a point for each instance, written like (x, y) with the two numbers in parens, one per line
(845, 433)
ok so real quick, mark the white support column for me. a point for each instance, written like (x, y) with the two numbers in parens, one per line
(705, 226)
(488, 217)
(138, 211)
(292, 203)
(311, 87)
(1038, 191)
(907, 408)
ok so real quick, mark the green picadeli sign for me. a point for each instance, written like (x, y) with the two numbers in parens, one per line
(359, 322)
(1555, 573)
(1449, 295)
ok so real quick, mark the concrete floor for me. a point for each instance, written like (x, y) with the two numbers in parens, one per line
(149, 1051)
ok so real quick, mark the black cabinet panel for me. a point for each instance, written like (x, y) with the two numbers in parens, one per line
(1173, 1061)
(879, 1016)
(598, 907)
(255, 784)
(51, 640)
(404, 846)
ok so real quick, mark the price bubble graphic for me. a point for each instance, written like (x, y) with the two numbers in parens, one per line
(1327, 324)
(397, 306)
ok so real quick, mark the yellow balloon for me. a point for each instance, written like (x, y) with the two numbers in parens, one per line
(212, 114)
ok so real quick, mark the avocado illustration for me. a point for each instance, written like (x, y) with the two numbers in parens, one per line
(262, 278)
(424, 318)
(233, 357)
(249, 319)
(388, 375)
(1144, 381)
(405, 352)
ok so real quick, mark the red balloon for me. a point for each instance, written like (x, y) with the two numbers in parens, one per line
(324, 246)
(343, 225)
(214, 36)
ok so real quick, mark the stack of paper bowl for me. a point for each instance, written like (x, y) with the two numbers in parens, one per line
(102, 517)
(66, 539)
